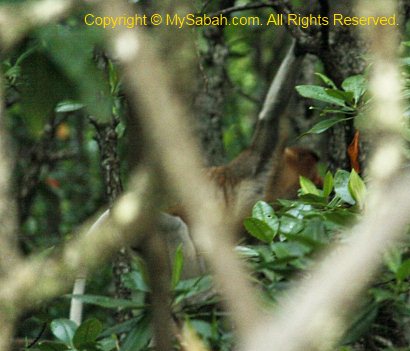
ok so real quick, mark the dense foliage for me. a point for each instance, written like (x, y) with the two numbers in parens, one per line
(59, 77)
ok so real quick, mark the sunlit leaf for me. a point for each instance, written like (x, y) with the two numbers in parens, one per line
(356, 85)
(327, 184)
(265, 213)
(308, 187)
(64, 330)
(319, 93)
(341, 185)
(326, 80)
(357, 188)
(177, 266)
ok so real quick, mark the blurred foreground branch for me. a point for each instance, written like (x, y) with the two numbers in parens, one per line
(316, 314)
(38, 278)
(17, 20)
(165, 125)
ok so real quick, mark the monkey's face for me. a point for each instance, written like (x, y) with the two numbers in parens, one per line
(299, 162)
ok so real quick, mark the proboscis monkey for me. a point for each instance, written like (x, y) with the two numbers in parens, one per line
(266, 169)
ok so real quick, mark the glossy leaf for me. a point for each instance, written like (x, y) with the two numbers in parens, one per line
(319, 93)
(290, 225)
(87, 332)
(357, 188)
(326, 80)
(327, 184)
(177, 266)
(356, 85)
(68, 106)
(346, 96)
(259, 229)
(265, 212)
(324, 125)
(308, 187)
(64, 330)
(341, 184)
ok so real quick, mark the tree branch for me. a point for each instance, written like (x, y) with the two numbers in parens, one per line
(17, 20)
(165, 125)
(315, 314)
(9, 254)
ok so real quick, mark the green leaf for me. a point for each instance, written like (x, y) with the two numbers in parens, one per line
(392, 258)
(340, 217)
(87, 332)
(135, 280)
(405, 61)
(139, 337)
(107, 302)
(403, 271)
(64, 330)
(203, 328)
(381, 295)
(324, 125)
(313, 200)
(327, 184)
(122, 327)
(361, 324)
(315, 230)
(72, 51)
(177, 266)
(326, 80)
(259, 229)
(290, 225)
(68, 106)
(319, 93)
(264, 212)
(288, 250)
(356, 85)
(52, 346)
(108, 344)
(191, 287)
(44, 85)
(346, 96)
(305, 240)
(341, 184)
(308, 187)
(357, 188)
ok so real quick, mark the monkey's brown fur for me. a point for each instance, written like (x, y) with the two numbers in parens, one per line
(240, 189)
